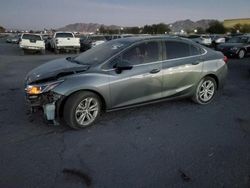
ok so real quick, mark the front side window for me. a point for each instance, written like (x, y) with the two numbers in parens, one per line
(176, 49)
(143, 53)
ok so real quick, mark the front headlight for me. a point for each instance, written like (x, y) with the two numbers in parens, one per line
(234, 48)
(41, 88)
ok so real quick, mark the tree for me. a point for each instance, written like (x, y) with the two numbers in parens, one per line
(216, 27)
(245, 28)
(200, 30)
(132, 30)
(102, 29)
(160, 28)
(2, 29)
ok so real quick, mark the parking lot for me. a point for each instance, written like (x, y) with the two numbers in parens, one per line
(170, 144)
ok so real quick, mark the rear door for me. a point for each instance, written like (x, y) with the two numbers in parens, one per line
(144, 81)
(181, 68)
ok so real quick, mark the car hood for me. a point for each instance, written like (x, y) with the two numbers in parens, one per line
(230, 45)
(53, 70)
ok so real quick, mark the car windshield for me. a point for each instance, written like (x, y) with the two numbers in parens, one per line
(31, 37)
(102, 52)
(64, 35)
(237, 40)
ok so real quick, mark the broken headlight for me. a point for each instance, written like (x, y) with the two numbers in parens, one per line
(37, 89)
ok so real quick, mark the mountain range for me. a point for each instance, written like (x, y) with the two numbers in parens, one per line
(175, 27)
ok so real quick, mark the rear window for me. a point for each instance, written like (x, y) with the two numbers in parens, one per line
(64, 35)
(31, 37)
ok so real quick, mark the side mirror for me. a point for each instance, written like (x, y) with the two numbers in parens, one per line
(121, 66)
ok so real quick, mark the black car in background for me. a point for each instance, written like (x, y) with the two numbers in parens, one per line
(238, 46)
(90, 41)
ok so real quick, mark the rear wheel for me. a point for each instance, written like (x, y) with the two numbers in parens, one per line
(241, 54)
(82, 109)
(205, 91)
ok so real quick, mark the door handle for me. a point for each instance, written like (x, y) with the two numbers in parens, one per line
(154, 71)
(196, 62)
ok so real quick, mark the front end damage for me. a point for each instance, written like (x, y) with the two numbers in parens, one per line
(41, 82)
(49, 102)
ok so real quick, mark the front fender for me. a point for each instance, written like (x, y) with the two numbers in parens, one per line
(98, 83)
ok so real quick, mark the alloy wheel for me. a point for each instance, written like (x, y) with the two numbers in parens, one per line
(206, 91)
(87, 111)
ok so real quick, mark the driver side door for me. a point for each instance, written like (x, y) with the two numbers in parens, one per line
(143, 82)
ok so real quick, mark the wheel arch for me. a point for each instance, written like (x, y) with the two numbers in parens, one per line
(61, 104)
(215, 78)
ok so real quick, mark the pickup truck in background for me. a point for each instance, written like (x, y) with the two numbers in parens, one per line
(32, 42)
(65, 41)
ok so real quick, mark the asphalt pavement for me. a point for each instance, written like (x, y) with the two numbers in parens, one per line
(168, 144)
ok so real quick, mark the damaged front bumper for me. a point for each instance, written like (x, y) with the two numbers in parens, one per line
(49, 102)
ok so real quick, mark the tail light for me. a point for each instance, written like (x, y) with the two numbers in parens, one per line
(225, 59)
(56, 41)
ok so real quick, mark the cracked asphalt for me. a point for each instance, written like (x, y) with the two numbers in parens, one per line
(170, 144)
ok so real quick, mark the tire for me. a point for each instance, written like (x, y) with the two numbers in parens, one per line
(43, 52)
(205, 91)
(241, 54)
(77, 112)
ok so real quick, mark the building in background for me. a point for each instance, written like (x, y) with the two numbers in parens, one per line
(230, 23)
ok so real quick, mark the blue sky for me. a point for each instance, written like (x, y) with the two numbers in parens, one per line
(38, 14)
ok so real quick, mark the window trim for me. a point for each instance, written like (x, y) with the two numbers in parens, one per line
(183, 42)
(162, 41)
(131, 46)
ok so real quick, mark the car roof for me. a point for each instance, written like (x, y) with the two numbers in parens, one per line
(141, 38)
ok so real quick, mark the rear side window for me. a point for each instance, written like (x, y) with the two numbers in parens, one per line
(177, 49)
(31, 37)
(143, 53)
(194, 50)
(64, 35)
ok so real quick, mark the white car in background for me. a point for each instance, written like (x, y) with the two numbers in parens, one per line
(65, 41)
(201, 39)
(32, 42)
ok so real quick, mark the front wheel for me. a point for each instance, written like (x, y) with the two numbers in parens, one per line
(205, 91)
(82, 109)
(241, 54)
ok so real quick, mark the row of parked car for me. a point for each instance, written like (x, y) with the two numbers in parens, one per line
(238, 45)
(231, 46)
(60, 41)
